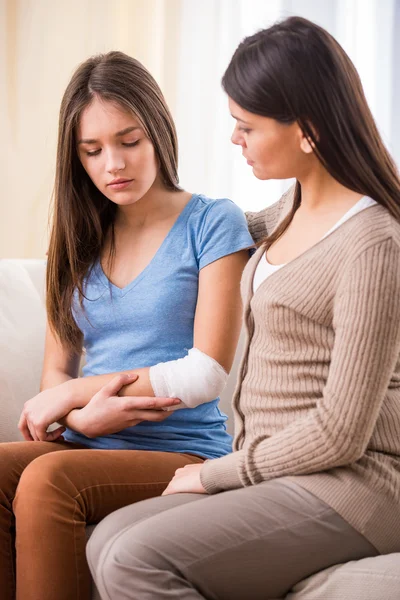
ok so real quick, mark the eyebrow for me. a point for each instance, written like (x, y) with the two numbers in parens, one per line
(118, 134)
(241, 120)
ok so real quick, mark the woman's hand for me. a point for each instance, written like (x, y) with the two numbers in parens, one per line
(44, 409)
(186, 479)
(108, 413)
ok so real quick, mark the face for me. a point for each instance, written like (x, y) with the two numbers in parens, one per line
(274, 150)
(116, 153)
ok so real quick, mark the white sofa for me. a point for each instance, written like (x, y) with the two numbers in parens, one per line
(22, 322)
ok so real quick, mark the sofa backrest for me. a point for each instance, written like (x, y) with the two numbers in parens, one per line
(22, 331)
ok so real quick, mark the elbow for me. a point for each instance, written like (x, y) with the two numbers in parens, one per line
(347, 450)
(195, 379)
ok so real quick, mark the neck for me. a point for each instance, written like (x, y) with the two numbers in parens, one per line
(320, 192)
(153, 206)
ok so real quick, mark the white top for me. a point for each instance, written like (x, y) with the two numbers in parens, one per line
(265, 269)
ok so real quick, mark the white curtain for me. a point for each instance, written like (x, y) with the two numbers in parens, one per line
(187, 45)
(210, 32)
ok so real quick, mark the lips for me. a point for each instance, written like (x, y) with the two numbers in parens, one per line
(119, 184)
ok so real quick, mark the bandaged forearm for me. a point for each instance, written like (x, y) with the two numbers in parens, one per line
(195, 379)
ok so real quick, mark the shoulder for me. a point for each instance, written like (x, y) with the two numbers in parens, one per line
(263, 222)
(372, 228)
(368, 257)
(213, 209)
(211, 214)
(217, 228)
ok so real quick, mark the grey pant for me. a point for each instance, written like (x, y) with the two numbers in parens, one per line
(253, 543)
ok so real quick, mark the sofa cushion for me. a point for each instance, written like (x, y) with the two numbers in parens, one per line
(376, 578)
(22, 326)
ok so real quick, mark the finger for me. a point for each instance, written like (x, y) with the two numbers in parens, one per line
(148, 402)
(24, 429)
(150, 415)
(41, 433)
(32, 430)
(33, 433)
(51, 436)
(113, 387)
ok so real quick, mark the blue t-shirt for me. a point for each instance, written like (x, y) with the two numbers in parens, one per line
(151, 320)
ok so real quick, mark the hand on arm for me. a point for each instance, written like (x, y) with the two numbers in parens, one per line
(107, 412)
(62, 392)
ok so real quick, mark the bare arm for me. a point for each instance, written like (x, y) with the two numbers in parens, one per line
(59, 364)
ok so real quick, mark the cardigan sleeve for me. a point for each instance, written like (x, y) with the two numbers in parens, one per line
(262, 223)
(366, 349)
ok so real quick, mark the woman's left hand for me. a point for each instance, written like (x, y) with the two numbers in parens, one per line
(186, 479)
(42, 410)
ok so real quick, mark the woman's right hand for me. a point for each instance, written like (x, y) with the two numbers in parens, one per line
(108, 413)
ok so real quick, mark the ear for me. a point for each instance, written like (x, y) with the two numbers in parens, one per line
(307, 145)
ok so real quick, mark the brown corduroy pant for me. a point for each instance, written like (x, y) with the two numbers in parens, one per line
(49, 492)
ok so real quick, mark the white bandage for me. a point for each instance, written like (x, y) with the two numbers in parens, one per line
(194, 379)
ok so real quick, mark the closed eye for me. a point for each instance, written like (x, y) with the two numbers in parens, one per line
(127, 144)
(131, 144)
(93, 153)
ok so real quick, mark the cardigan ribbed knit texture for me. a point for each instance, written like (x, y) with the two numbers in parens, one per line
(318, 393)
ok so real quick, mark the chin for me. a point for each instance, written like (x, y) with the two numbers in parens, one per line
(124, 200)
(261, 175)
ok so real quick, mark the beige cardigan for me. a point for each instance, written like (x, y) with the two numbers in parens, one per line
(318, 394)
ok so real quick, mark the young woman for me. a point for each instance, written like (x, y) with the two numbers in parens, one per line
(145, 277)
(314, 478)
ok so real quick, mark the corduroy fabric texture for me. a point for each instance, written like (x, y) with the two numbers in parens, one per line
(318, 393)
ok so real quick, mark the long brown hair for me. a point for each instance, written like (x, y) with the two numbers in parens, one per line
(295, 71)
(82, 215)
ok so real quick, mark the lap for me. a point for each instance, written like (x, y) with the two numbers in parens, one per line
(22, 453)
(265, 537)
(101, 480)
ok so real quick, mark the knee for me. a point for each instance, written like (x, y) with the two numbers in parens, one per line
(41, 479)
(13, 458)
(102, 535)
(125, 561)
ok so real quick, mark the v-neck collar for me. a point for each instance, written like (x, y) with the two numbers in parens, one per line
(182, 217)
(260, 252)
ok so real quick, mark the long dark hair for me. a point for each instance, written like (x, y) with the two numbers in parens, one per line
(295, 71)
(82, 215)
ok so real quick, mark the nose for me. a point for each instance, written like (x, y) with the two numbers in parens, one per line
(114, 161)
(237, 138)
